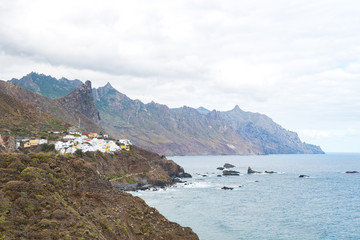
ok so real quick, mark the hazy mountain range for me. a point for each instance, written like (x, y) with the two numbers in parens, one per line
(179, 131)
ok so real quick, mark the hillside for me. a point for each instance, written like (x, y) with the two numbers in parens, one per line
(47, 85)
(23, 119)
(66, 108)
(51, 196)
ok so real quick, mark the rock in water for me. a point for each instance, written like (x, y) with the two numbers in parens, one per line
(270, 172)
(220, 168)
(304, 176)
(250, 171)
(228, 165)
(227, 188)
(231, 173)
(351, 172)
(183, 175)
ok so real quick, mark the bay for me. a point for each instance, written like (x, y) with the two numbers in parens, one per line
(266, 206)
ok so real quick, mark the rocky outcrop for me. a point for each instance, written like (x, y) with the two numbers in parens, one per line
(139, 167)
(231, 173)
(81, 102)
(7, 144)
(352, 172)
(250, 171)
(304, 176)
(228, 165)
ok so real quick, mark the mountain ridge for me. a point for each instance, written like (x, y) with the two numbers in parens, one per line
(189, 131)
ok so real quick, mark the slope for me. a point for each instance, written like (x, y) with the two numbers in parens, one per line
(70, 108)
(51, 196)
(23, 119)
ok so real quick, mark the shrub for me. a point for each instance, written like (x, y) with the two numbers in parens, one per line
(79, 153)
(47, 147)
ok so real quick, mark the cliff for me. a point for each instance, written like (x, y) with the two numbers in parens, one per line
(50, 196)
(264, 132)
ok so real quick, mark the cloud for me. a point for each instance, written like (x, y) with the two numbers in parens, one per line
(296, 61)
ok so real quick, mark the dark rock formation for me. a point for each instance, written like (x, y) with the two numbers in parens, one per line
(250, 171)
(183, 175)
(231, 173)
(228, 165)
(227, 188)
(270, 172)
(81, 101)
(220, 168)
(304, 176)
(351, 172)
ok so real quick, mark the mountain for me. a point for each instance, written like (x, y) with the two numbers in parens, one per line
(189, 131)
(47, 85)
(167, 131)
(180, 131)
(264, 132)
(70, 108)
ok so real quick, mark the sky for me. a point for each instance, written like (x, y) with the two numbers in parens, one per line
(296, 61)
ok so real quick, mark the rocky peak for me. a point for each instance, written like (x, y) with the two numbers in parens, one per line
(108, 86)
(81, 100)
(237, 109)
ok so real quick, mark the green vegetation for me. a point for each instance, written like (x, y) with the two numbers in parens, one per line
(47, 147)
(114, 176)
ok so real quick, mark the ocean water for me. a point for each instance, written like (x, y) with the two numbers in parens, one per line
(265, 206)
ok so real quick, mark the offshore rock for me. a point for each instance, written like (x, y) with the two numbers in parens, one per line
(351, 172)
(228, 165)
(227, 188)
(250, 171)
(231, 173)
(304, 176)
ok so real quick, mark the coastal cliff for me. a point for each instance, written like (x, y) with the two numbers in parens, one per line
(51, 196)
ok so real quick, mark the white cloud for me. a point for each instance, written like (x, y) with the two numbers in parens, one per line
(296, 61)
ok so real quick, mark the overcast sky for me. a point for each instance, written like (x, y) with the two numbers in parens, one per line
(296, 61)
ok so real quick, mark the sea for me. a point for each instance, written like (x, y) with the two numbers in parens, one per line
(326, 205)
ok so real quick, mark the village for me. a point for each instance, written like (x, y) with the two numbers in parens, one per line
(76, 140)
